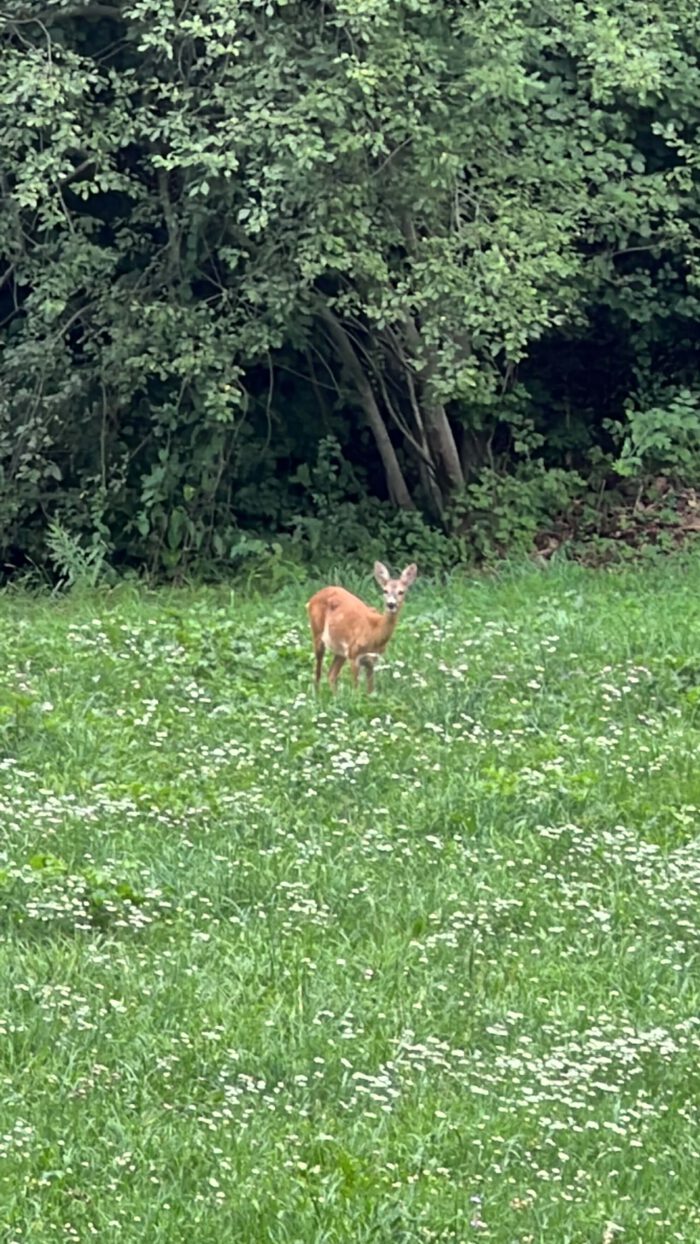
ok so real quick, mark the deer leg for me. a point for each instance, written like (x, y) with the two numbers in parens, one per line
(367, 664)
(336, 666)
(355, 671)
(319, 649)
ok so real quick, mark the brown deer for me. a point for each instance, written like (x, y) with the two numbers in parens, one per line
(351, 630)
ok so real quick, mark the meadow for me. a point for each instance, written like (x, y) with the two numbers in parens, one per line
(399, 969)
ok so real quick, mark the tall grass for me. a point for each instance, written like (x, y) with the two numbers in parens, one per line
(415, 967)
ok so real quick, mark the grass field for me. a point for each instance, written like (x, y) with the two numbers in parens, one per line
(421, 967)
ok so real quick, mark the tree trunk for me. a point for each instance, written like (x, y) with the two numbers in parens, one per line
(437, 425)
(442, 438)
(396, 484)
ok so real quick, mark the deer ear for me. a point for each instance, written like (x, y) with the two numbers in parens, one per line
(381, 574)
(409, 574)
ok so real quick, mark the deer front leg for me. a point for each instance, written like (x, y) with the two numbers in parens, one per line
(367, 663)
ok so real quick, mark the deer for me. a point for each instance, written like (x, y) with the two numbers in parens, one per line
(352, 630)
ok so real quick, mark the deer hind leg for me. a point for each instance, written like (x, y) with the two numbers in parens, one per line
(336, 666)
(355, 670)
(319, 649)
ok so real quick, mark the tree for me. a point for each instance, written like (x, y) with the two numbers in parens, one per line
(401, 196)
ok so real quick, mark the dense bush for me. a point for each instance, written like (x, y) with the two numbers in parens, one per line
(461, 241)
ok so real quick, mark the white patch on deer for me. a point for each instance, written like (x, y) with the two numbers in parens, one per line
(338, 647)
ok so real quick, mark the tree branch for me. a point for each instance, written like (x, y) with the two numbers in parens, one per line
(93, 12)
(398, 489)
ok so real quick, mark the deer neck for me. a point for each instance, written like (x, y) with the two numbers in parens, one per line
(385, 626)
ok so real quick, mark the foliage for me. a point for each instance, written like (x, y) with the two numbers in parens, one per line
(336, 521)
(401, 969)
(75, 565)
(663, 438)
(230, 230)
(504, 513)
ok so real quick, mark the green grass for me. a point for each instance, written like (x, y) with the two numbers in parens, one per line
(411, 968)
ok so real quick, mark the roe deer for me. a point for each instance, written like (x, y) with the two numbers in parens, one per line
(353, 631)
